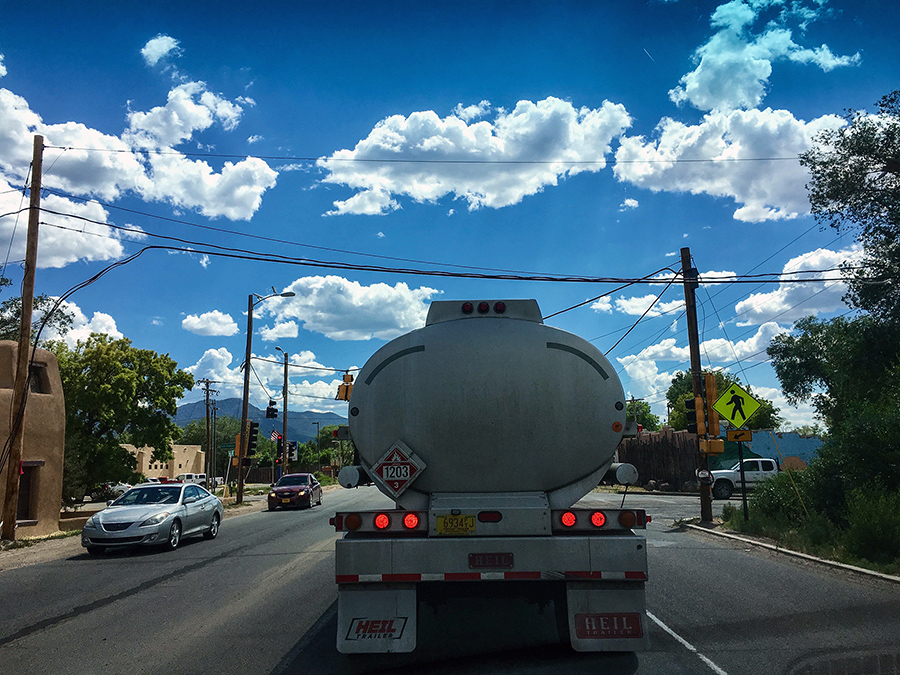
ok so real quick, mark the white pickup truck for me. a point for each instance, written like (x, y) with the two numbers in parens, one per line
(726, 481)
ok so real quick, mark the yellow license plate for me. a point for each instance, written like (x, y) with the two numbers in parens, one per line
(286, 501)
(455, 525)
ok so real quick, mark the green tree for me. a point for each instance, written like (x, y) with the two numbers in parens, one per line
(114, 391)
(681, 389)
(227, 428)
(11, 316)
(640, 410)
(855, 183)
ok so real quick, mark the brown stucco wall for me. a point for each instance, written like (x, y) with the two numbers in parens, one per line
(44, 438)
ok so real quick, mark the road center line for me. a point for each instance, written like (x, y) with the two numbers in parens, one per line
(688, 645)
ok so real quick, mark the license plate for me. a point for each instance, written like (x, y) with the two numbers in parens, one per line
(455, 525)
(286, 500)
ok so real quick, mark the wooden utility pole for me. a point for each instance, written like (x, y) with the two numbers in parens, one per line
(17, 418)
(689, 275)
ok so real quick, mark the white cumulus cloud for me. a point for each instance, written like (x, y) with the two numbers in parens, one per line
(485, 164)
(158, 48)
(210, 323)
(734, 66)
(792, 301)
(347, 310)
(284, 329)
(746, 155)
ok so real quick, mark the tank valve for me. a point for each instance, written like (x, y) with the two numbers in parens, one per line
(621, 473)
(353, 476)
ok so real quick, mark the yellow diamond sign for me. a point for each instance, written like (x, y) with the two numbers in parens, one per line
(736, 405)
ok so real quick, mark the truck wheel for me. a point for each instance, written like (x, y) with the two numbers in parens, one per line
(722, 489)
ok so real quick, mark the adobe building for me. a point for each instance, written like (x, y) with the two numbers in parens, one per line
(185, 459)
(43, 447)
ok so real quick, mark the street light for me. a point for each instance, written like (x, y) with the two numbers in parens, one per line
(284, 436)
(252, 301)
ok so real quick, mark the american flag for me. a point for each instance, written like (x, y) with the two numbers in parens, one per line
(275, 435)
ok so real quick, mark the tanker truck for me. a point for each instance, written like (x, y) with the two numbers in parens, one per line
(484, 427)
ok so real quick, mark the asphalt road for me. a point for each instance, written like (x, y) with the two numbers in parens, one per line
(261, 599)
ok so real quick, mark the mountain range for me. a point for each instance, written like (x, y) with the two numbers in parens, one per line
(301, 425)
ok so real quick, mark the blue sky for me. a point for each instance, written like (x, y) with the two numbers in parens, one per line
(567, 139)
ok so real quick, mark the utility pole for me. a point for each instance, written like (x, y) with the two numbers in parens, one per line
(284, 436)
(245, 406)
(210, 468)
(17, 421)
(689, 275)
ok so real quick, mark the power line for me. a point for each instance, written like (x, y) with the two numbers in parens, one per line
(401, 160)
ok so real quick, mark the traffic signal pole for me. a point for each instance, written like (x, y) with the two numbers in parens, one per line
(689, 275)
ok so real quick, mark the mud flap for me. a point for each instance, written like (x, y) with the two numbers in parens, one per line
(607, 616)
(376, 618)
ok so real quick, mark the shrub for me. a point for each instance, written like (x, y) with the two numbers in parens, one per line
(873, 525)
(777, 499)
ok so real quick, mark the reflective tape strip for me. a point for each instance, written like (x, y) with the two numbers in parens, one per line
(491, 576)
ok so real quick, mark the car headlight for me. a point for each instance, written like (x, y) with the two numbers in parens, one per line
(302, 492)
(93, 522)
(272, 495)
(155, 520)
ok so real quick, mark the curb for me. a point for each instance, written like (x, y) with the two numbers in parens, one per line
(797, 554)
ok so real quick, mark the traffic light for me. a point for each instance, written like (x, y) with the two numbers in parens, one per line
(711, 396)
(279, 444)
(252, 435)
(696, 424)
(271, 411)
(277, 460)
(712, 446)
(345, 389)
(292, 450)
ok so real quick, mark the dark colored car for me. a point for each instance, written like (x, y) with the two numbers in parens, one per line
(295, 489)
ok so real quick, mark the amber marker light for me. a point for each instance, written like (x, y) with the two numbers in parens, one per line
(353, 521)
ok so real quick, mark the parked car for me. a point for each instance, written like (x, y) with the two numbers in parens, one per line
(295, 489)
(726, 481)
(154, 515)
(106, 491)
(198, 478)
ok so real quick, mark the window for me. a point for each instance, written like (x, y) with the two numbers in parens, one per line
(751, 465)
(39, 382)
(768, 465)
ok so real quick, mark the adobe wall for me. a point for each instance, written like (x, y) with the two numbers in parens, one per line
(43, 441)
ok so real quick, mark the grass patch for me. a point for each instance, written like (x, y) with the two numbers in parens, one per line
(31, 541)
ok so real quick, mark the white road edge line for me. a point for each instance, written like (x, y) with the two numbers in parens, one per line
(688, 645)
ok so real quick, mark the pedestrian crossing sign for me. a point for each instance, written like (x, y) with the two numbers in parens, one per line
(736, 406)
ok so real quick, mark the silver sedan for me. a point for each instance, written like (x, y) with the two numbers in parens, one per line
(154, 515)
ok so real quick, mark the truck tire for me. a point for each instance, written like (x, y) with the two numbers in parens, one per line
(722, 489)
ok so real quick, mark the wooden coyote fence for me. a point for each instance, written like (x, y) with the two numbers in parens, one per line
(666, 456)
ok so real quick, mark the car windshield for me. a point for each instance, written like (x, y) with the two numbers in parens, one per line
(149, 495)
(293, 480)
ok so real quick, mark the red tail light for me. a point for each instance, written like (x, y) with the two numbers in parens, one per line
(382, 521)
(499, 307)
(410, 521)
(568, 519)
(484, 307)
(353, 521)
(598, 519)
(490, 516)
(467, 308)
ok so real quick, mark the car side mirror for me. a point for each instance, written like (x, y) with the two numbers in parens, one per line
(189, 500)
